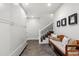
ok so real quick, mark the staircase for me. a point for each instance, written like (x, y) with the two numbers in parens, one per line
(43, 39)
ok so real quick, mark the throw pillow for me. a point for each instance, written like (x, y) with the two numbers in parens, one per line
(65, 41)
(54, 35)
(61, 37)
(57, 39)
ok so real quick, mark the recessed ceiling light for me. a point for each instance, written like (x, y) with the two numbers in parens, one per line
(1, 4)
(32, 16)
(51, 14)
(26, 3)
(49, 4)
(16, 3)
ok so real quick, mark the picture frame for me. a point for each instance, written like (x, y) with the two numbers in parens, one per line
(63, 22)
(72, 19)
(58, 23)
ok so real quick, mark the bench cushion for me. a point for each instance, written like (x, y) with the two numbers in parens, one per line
(59, 45)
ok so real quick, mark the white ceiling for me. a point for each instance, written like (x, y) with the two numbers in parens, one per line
(40, 9)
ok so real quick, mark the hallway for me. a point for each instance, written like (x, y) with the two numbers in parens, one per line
(19, 22)
(34, 49)
(35, 25)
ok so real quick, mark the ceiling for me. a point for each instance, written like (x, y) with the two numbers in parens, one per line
(40, 9)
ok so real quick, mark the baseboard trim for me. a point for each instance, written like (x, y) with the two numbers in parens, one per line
(23, 50)
(32, 38)
(18, 50)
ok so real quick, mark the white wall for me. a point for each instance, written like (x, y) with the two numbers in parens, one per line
(32, 28)
(12, 29)
(18, 29)
(65, 10)
(4, 29)
(34, 25)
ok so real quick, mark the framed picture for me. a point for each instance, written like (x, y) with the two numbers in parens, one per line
(72, 19)
(63, 22)
(58, 23)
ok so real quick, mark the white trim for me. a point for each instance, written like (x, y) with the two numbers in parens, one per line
(19, 49)
(44, 42)
(32, 38)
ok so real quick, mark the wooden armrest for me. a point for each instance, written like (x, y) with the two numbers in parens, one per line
(72, 45)
(66, 49)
